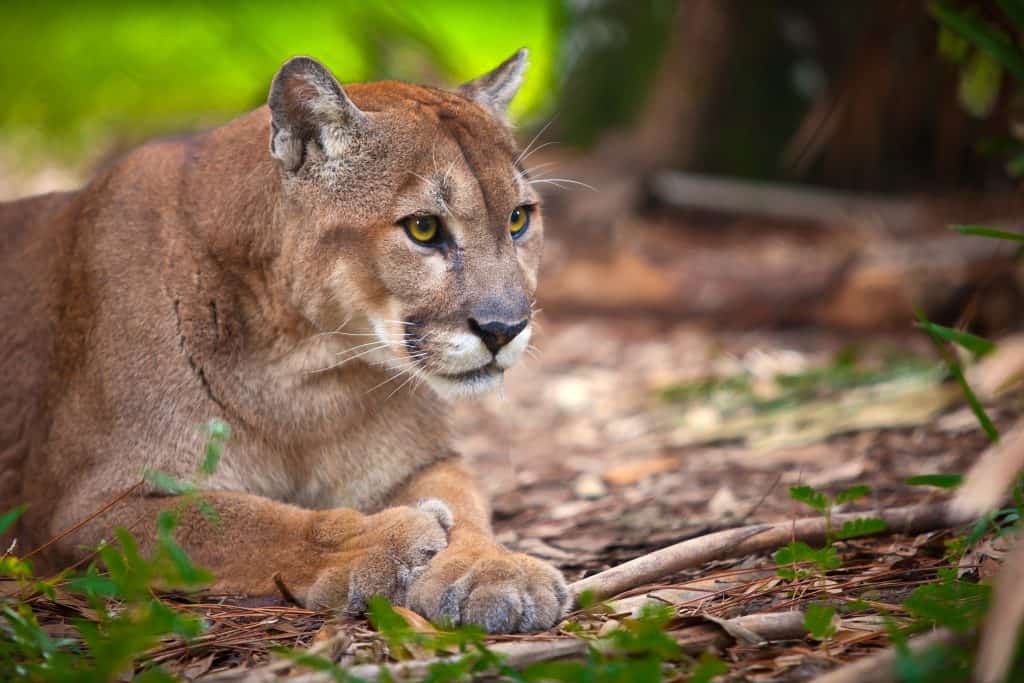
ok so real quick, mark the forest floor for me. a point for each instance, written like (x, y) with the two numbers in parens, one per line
(620, 436)
(624, 436)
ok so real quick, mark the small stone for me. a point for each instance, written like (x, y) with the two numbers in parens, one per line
(589, 487)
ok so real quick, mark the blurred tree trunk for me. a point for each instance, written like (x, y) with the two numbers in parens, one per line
(667, 130)
(687, 84)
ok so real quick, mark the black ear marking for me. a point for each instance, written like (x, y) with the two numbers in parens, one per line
(496, 88)
(306, 104)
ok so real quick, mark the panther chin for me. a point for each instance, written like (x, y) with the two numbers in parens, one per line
(466, 384)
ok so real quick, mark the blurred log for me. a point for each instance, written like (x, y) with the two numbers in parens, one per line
(778, 201)
(742, 253)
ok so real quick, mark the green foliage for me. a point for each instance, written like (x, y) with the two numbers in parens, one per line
(8, 518)
(823, 503)
(983, 51)
(864, 526)
(809, 496)
(129, 619)
(120, 586)
(708, 666)
(942, 481)
(954, 368)
(852, 494)
(635, 652)
(792, 559)
(844, 372)
(972, 343)
(798, 560)
(103, 69)
(985, 37)
(982, 231)
(950, 602)
(820, 621)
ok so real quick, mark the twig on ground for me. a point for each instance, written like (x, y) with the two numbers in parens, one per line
(271, 671)
(85, 521)
(286, 592)
(878, 668)
(756, 538)
(692, 639)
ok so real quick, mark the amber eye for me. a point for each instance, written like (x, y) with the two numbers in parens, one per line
(519, 221)
(423, 229)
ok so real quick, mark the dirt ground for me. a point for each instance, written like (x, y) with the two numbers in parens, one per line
(580, 456)
(592, 459)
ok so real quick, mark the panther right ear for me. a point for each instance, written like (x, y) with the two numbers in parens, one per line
(308, 105)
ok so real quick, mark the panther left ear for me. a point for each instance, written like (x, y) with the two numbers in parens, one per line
(496, 89)
(308, 105)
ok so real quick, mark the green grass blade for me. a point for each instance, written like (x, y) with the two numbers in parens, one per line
(983, 36)
(942, 481)
(8, 518)
(982, 231)
(1014, 10)
(975, 404)
(972, 343)
(954, 368)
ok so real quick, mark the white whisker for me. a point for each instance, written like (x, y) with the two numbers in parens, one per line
(537, 149)
(526, 150)
(558, 181)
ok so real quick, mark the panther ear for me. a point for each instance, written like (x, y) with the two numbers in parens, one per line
(496, 89)
(307, 104)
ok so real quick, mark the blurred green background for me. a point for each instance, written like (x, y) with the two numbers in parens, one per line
(846, 94)
(73, 72)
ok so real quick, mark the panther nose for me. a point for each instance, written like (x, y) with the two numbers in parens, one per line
(496, 334)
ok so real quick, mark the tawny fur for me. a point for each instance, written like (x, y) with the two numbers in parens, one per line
(211, 276)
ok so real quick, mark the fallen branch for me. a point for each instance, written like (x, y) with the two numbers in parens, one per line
(878, 668)
(757, 538)
(783, 202)
(692, 640)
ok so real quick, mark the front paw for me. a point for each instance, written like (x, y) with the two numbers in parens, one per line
(393, 549)
(501, 591)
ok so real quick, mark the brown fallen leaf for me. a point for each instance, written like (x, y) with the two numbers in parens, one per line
(631, 473)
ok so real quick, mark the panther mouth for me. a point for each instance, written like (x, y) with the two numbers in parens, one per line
(483, 372)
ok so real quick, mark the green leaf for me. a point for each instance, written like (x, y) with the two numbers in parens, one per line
(950, 602)
(708, 666)
(799, 553)
(8, 519)
(819, 621)
(853, 493)
(983, 35)
(218, 433)
(982, 231)
(972, 400)
(1015, 166)
(586, 600)
(865, 526)
(794, 553)
(972, 343)
(167, 483)
(828, 558)
(954, 369)
(155, 675)
(809, 496)
(980, 81)
(942, 481)
(952, 47)
(1014, 9)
